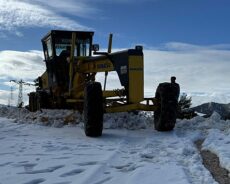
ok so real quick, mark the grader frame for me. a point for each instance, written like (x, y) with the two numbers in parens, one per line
(69, 81)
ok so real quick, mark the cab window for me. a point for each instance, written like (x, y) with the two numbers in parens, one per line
(49, 48)
(62, 45)
(82, 46)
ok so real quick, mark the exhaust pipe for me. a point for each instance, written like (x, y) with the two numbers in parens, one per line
(110, 43)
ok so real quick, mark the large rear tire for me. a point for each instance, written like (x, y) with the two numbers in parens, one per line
(165, 116)
(93, 109)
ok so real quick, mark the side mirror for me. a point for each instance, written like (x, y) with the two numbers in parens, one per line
(95, 47)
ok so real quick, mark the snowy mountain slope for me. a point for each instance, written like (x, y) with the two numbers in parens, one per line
(33, 154)
(209, 108)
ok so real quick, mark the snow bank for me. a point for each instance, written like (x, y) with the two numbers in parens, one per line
(200, 125)
(213, 130)
(131, 121)
(55, 118)
(59, 118)
(218, 142)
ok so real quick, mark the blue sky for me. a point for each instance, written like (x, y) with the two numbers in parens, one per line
(177, 35)
(149, 22)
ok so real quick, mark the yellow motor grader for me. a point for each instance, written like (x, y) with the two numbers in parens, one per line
(72, 62)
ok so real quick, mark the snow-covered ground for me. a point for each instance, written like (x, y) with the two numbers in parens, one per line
(130, 150)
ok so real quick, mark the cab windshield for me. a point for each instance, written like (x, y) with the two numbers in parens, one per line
(82, 46)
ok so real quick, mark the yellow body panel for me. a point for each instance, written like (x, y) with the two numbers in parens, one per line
(78, 86)
(97, 66)
(113, 93)
(71, 62)
(44, 78)
(136, 79)
(74, 100)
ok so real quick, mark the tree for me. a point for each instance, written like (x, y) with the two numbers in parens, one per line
(184, 102)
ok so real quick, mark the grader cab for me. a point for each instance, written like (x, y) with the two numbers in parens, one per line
(72, 62)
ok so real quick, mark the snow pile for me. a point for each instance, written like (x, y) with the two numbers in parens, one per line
(218, 142)
(131, 121)
(169, 148)
(200, 125)
(213, 130)
(55, 118)
(59, 118)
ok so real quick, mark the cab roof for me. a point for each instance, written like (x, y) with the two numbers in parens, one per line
(65, 33)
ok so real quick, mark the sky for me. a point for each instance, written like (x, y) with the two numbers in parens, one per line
(188, 39)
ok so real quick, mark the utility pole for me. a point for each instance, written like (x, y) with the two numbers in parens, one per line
(20, 91)
(20, 97)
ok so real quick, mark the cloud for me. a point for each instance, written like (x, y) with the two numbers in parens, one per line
(18, 14)
(78, 8)
(121, 1)
(178, 46)
(5, 95)
(16, 65)
(21, 65)
(198, 68)
(202, 73)
(199, 71)
(15, 14)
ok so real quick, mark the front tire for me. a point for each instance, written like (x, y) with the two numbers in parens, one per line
(93, 109)
(165, 116)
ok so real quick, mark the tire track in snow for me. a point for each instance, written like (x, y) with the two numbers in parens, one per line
(115, 160)
(36, 181)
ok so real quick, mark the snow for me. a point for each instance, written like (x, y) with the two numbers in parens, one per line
(218, 142)
(50, 147)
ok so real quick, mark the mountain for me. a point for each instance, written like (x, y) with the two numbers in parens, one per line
(209, 108)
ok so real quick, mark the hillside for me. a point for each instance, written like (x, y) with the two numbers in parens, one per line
(208, 108)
